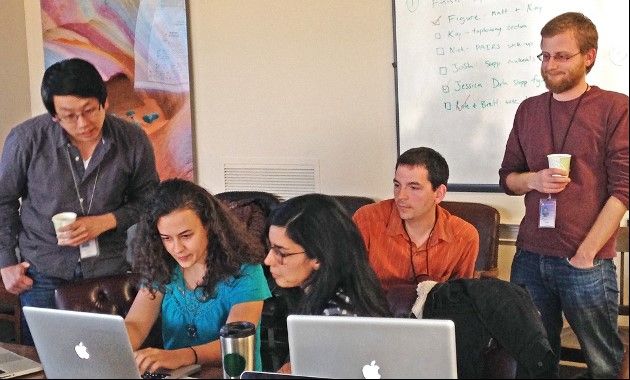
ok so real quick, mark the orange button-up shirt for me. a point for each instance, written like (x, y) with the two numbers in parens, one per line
(451, 251)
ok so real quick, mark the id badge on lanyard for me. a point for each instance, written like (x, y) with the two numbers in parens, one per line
(89, 248)
(547, 213)
(547, 206)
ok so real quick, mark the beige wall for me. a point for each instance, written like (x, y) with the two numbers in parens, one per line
(288, 80)
(15, 95)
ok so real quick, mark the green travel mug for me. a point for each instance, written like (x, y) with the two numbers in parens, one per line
(237, 348)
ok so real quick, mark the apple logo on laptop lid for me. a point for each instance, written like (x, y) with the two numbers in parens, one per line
(81, 351)
(370, 371)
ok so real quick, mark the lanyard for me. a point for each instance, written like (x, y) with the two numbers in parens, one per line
(564, 138)
(426, 245)
(76, 185)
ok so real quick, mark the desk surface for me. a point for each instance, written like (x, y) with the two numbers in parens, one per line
(207, 371)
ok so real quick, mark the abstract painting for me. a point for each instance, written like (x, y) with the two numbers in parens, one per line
(140, 47)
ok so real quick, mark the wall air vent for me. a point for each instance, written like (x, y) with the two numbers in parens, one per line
(283, 179)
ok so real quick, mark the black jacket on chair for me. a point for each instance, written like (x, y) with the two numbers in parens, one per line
(489, 309)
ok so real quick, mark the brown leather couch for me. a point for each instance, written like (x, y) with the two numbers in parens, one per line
(105, 295)
(486, 220)
(10, 310)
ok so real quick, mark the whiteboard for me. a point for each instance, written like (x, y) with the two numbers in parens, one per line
(464, 66)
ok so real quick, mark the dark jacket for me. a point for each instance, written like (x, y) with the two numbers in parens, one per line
(489, 309)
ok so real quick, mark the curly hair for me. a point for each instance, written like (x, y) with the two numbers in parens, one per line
(229, 243)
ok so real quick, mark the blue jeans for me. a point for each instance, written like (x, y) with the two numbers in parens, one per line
(589, 299)
(42, 294)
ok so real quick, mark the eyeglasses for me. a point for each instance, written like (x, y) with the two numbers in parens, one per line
(73, 118)
(282, 255)
(560, 57)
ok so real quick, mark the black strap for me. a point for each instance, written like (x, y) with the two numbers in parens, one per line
(566, 133)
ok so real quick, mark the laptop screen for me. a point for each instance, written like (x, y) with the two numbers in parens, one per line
(74, 344)
(364, 347)
(81, 345)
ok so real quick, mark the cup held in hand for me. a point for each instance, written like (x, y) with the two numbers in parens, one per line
(63, 219)
(560, 161)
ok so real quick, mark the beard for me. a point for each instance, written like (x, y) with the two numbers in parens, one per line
(557, 84)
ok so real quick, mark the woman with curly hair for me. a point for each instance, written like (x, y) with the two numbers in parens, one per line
(200, 270)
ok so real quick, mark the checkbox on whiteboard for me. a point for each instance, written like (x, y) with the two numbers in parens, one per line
(439, 51)
(447, 106)
(438, 36)
(443, 70)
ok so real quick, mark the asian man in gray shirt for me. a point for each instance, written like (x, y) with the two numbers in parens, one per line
(75, 158)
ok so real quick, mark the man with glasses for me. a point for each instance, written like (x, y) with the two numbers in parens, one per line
(564, 254)
(411, 238)
(75, 158)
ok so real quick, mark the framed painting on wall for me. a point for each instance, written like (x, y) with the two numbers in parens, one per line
(140, 48)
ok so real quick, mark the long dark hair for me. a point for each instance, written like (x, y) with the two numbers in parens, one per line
(322, 227)
(229, 244)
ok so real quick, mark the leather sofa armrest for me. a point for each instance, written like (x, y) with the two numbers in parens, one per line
(105, 295)
(401, 298)
(490, 273)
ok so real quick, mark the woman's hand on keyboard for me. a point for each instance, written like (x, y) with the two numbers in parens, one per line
(153, 359)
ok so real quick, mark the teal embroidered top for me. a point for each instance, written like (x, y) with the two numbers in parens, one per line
(188, 321)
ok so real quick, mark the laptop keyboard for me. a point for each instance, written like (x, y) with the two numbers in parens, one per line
(154, 375)
(8, 357)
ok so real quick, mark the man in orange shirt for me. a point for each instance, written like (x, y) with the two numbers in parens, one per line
(411, 238)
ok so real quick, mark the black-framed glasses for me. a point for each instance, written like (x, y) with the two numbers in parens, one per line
(282, 255)
(73, 118)
(560, 57)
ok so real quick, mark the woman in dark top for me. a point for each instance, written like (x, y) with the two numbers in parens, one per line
(315, 246)
(318, 257)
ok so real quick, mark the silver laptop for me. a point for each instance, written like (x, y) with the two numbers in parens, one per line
(13, 365)
(273, 376)
(73, 344)
(371, 348)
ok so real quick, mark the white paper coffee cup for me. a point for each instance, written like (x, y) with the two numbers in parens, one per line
(560, 161)
(63, 219)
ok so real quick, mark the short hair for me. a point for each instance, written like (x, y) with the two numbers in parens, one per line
(72, 76)
(581, 26)
(431, 160)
